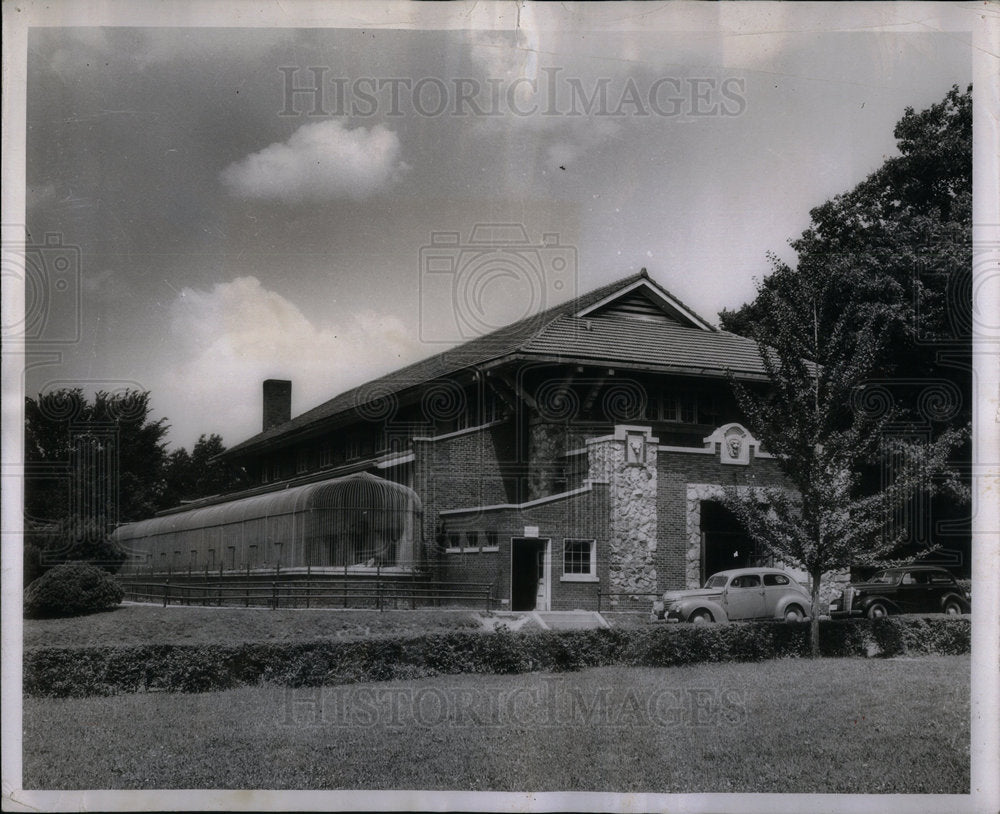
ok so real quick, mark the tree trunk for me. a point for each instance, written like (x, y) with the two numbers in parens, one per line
(814, 615)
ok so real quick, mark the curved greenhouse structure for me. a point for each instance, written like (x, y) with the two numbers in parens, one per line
(355, 522)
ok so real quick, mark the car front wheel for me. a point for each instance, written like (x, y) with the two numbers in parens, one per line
(952, 608)
(701, 617)
(793, 613)
(877, 611)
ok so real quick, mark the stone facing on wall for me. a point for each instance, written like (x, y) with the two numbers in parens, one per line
(632, 487)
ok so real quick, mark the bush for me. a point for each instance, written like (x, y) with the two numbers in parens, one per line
(71, 589)
(74, 672)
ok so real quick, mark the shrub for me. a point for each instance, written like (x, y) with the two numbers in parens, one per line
(72, 589)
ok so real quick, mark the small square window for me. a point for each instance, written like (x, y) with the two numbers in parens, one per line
(472, 540)
(492, 540)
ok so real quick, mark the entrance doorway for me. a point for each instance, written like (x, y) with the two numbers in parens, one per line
(529, 574)
(724, 542)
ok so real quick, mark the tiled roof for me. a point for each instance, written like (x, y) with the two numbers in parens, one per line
(555, 332)
(620, 339)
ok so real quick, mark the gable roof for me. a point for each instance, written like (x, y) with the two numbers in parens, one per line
(587, 328)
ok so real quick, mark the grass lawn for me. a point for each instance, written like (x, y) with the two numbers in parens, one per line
(143, 624)
(835, 725)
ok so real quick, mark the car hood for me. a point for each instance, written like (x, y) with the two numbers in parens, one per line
(673, 596)
(871, 586)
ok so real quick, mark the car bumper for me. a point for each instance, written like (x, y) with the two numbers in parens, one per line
(845, 614)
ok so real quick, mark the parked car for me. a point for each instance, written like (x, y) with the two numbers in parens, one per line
(909, 589)
(741, 593)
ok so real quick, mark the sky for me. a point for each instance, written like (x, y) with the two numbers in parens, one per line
(218, 225)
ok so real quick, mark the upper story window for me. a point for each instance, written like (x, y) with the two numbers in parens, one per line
(352, 447)
(301, 460)
(683, 406)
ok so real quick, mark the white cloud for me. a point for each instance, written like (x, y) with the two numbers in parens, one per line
(227, 340)
(321, 161)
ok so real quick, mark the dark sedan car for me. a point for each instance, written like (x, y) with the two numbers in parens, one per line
(909, 589)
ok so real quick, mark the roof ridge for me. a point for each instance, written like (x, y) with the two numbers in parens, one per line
(515, 334)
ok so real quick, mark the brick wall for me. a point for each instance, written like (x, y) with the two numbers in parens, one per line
(581, 516)
(462, 470)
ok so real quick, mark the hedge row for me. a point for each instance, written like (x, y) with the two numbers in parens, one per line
(74, 672)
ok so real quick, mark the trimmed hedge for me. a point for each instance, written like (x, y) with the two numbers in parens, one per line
(74, 672)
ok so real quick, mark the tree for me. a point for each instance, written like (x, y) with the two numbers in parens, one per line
(88, 466)
(816, 420)
(200, 473)
(854, 337)
(904, 235)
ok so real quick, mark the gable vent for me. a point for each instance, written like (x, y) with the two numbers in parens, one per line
(636, 306)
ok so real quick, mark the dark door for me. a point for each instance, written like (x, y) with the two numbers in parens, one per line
(524, 571)
(725, 543)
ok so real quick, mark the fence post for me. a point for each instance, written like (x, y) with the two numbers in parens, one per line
(378, 594)
(166, 592)
(274, 596)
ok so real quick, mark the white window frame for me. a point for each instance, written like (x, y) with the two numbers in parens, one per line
(586, 577)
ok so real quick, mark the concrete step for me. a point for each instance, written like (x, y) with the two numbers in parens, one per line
(570, 620)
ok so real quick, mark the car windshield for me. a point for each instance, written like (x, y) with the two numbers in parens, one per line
(718, 581)
(885, 578)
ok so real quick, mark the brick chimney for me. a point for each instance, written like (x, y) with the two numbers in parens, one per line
(277, 402)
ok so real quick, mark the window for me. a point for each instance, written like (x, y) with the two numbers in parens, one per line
(688, 408)
(454, 541)
(745, 581)
(490, 408)
(916, 578)
(472, 540)
(580, 560)
(353, 447)
(326, 454)
(492, 541)
(301, 461)
(775, 579)
(942, 579)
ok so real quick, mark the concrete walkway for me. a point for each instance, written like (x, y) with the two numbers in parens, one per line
(569, 620)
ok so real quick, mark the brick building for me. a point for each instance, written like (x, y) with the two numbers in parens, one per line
(580, 450)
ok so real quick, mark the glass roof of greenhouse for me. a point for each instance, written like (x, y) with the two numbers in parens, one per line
(361, 491)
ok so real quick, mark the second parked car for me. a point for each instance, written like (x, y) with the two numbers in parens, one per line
(911, 589)
(742, 593)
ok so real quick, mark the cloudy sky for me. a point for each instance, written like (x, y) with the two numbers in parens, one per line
(221, 229)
